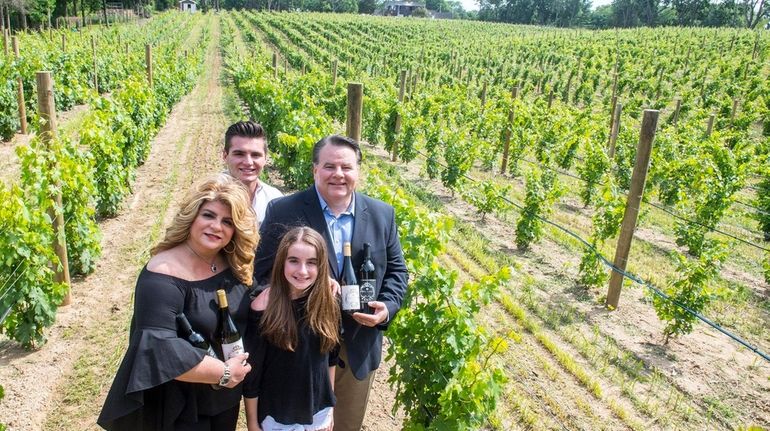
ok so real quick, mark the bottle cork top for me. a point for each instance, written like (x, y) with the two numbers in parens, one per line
(222, 298)
(346, 249)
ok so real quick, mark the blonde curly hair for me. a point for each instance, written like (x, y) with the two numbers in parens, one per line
(239, 252)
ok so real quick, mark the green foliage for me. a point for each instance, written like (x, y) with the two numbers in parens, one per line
(691, 289)
(595, 164)
(541, 192)
(90, 175)
(2, 395)
(443, 377)
(489, 198)
(592, 272)
(47, 168)
(718, 177)
(606, 224)
(28, 287)
(763, 204)
(459, 155)
(444, 374)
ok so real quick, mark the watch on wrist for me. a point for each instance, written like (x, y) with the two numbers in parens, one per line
(225, 379)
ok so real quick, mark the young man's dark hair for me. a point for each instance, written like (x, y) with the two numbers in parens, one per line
(246, 129)
(339, 141)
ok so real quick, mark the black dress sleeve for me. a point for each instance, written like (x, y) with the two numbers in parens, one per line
(257, 348)
(155, 353)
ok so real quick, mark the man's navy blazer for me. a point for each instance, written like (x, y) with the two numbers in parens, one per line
(375, 223)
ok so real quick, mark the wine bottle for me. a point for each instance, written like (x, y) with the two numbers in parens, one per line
(227, 334)
(368, 281)
(193, 337)
(351, 297)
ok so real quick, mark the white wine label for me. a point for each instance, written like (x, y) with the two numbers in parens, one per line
(367, 291)
(231, 349)
(350, 297)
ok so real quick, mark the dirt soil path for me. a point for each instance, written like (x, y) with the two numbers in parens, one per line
(63, 384)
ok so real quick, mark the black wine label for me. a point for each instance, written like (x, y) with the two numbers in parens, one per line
(367, 291)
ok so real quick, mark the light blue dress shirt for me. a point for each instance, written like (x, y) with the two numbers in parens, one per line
(340, 228)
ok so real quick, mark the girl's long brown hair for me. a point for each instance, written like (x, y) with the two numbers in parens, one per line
(279, 324)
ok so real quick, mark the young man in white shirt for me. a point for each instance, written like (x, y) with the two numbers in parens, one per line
(245, 154)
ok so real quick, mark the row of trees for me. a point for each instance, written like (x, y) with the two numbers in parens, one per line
(24, 14)
(628, 13)
(340, 6)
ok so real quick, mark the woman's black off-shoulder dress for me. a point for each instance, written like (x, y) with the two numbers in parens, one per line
(144, 395)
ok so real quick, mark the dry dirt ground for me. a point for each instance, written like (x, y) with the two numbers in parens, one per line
(62, 385)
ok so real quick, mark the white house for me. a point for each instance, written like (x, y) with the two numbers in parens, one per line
(187, 6)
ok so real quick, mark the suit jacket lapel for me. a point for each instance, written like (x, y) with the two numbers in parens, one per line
(360, 222)
(314, 215)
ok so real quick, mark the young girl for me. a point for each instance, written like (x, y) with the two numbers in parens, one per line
(293, 335)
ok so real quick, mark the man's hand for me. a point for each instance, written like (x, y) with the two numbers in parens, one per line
(379, 315)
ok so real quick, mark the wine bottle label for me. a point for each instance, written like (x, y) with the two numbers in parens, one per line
(350, 297)
(231, 349)
(367, 291)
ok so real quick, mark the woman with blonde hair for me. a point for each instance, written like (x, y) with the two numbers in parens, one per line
(164, 382)
(293, 335)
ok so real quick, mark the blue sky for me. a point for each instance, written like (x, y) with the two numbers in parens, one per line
(471, 4)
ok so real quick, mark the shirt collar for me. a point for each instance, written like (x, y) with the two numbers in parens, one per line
(325, 207)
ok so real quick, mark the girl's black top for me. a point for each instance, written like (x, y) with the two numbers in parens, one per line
(291, 386)
(144, 394)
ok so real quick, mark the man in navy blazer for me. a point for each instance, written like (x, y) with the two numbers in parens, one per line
(333, 208)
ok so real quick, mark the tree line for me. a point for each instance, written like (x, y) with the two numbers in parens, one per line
(22, 14)
(627, 13)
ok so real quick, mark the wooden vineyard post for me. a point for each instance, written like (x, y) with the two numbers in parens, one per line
(334, 73)
(508, 132)
(710, 125)
(20, 91)
(148, 62)
(355, 110)
(5, 42)
(483, 96)
(638, 178)
(285, 66)
(675, 118)
(96, 70)
(550, 99)
(63, 43)
(615, 130)
(397, 126)
(127, 48)
(275, 65)
(46, 108)
(613, 104)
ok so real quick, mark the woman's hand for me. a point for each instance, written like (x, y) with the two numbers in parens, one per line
(239, 367)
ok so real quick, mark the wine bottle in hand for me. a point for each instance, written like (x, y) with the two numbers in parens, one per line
(368, 280)
(227, 334)
(351, 296)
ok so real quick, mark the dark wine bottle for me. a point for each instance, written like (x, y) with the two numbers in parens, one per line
(351, 297)
(368, 280)
(193, 337)
(227, 334)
